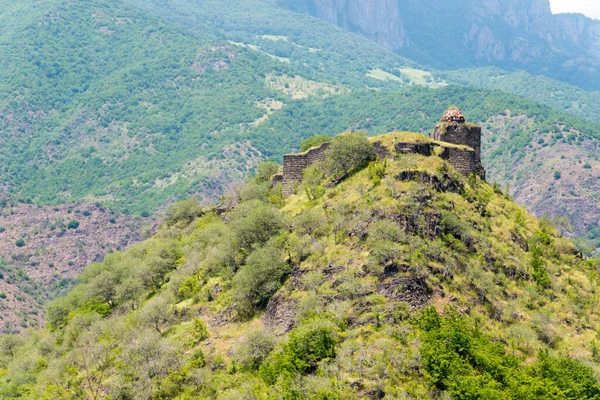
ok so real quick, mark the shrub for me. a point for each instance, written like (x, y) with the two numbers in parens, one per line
(255, 349)
(265, 171)
(308, 345)
(254, 223)
(312, 222)
(200, 330)
(384, 240)
(184, 211)
(73, 224)
(312, 179)
(557, 175)
(540, 273)
(253, 190)
(20, 243)
(349, 151)
(258, 280)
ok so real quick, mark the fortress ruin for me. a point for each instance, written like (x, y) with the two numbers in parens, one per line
(460, 144)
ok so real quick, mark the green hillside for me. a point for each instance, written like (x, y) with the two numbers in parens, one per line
(134, 104)
(405, 280)
(105, 103)
(557, 95)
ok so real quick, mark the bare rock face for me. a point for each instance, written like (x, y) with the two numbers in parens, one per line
(466, 33)
(378, 20)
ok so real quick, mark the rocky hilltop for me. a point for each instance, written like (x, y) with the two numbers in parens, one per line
(462, 33)
(405, 279)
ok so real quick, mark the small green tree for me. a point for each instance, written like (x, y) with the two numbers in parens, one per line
(73, 224)
(557, 175)
(20, 243)
(265, 171)
(255, 349)
(540, 273)
(184, 211)
(312, 180)
(349, 151)
(258, 280)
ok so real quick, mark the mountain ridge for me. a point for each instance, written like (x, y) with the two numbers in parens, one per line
(513, 34)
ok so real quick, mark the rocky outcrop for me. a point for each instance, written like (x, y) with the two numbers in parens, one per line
(378, 20)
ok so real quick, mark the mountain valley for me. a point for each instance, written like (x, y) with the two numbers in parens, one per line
(148, 251)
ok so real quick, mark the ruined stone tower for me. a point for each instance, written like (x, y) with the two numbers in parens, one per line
(453, 128)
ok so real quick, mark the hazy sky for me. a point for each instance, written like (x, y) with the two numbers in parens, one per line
(591, 8)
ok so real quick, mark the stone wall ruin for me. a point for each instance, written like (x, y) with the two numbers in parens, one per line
(453, 129)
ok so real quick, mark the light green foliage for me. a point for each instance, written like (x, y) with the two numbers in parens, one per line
(258, 280)
(327, 298)
(254, 223)
(385, 239)
(312, 222)
(184, 211)
(265, 171)
(314, 141)
(377, 171)
(540, 273)
(313, 180)
(254, 350)
(349, 151)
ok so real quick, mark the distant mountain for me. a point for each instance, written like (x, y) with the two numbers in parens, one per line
(44, 248)
(511, 34)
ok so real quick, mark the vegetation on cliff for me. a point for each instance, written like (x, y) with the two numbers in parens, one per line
(405, 280)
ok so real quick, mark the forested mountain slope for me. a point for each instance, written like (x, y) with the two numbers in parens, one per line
(102, 102)
(558, 95)
(455, 34)
(110, 102)
(405, 280)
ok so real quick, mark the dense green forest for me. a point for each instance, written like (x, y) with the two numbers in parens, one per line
(557, 95)
(134, 104)
(387, 285)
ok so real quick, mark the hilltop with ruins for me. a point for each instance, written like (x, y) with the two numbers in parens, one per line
(453, 139)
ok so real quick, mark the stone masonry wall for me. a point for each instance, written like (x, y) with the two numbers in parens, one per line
(295, 164)
(459, 133)
(464, 161)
